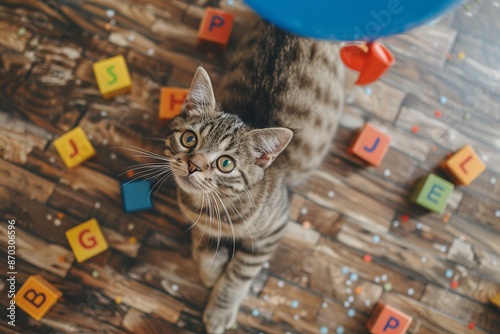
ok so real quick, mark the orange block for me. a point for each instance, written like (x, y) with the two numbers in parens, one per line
(171, 101)
(216, 26)
(37, 296)
(386, 319)
(464, 166)
(370, 144)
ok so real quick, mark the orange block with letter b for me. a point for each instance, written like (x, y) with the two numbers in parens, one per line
(86, 240)
(216, 26)
(74, 147)
(386, 319)
(464, 166)
(37, 296)
(370, 144)
(171, 102)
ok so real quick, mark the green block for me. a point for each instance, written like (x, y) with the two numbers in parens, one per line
(432, 193)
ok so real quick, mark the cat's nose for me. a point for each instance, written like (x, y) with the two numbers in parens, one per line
(192, 167)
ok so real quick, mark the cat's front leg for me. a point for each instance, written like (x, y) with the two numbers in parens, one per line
(229, 291)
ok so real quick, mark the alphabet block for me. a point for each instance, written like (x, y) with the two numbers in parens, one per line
(216, 26)
(37, 296)
(464, 166)
(370, 144)
(386, 319)
(495, 300)
(136, 195)
(86, 240)
(74, 147)
(112, 76)
(171, 102)
(432, 192)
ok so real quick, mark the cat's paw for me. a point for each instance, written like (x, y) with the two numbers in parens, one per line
(217, 320)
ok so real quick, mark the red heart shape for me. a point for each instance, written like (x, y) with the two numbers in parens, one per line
(371, 62)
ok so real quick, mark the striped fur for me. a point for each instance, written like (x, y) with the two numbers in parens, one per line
(281, 100)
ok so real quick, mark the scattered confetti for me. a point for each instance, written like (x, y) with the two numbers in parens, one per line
(61, 258)
(281, 284)
(461, 55)
(367, 258)
(324, 305)
(350, 299)
(368, 303)
(395, 223)
(354, 277)
(348, 282)
(339, 330)
(132, 240)
(347, 304)
(255, 312)
(130, 173)
(443, 100)
(415, 129)
(21, 31)
(52, 160)
(446, 217)
(443, 248)
(175, 287)
(454, 284)
(423, 259)
(438, 114)
(95, 273)
(118, 300)
(265, 297)
(351, 313)
(497, 213)
(266, 265)
(471, 325)
(306, 224)
(384, 277)
(107, 26)
(110, 13)
(419, 226)
(230, 2)
(323, 330)
(234, 326)
(104, 113)
(387, 286)
(97, 205)
(60, 215)
(296, 317)
(348, 291)
(377, 279)
(130, 227)
(368, 91)
(493, 180)
(57, 222)
(344, 270)
(131, 37)
(294, 304)
(358, 290)
(331, 194)
(376, 238)
(405, 218)
(112, 22)
(410, 291)
(448, 273)
(387, 172)
(303, 211)
(151, 51)
(466, 115)
(112, 156)
(105, 142)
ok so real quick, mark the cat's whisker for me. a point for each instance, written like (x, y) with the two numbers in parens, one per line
(250, 197)
(145, 153)
(144, 166)
(219, 235)
(166, 177)
(230, 223)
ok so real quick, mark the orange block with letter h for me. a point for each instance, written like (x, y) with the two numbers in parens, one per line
(386, 319)
(464, 166)
(74, 147)
(86, 240)
(370, 144)
(216, 26)
(171, 102)
(37, 296)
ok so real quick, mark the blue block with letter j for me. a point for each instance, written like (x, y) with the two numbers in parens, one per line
(432, 193)
(136, 195)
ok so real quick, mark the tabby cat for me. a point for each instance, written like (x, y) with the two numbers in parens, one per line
(280, 103)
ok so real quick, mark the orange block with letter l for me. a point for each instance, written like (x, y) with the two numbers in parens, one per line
(74, 147)
(464, 166)
(370, 144)
(37, 296)
(386, 319)
(171, 101)
(86, 240)
(216, 26)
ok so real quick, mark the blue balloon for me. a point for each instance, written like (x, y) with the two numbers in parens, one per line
(349, 20)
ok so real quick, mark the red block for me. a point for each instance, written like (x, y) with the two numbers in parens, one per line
(216, 26)
(370, 144)
(386, 319)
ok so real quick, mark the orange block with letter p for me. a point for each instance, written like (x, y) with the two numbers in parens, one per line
(216, 26)
(74, 147)
(171, 101)
(386, 319)
(370, 144)
(464, 166)
(37, 296)
(86, 240)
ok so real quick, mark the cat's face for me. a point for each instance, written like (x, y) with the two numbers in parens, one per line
(211, 151)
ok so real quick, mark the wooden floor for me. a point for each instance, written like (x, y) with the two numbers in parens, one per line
(147, 282)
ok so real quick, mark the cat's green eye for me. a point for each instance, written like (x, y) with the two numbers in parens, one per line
(188, 139)
(225, 164)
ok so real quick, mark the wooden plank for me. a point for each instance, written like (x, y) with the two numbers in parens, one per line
(426, 320)
(321, 219)
(38, 252)
(478, 235)
(139, 322)
(481, 210)
(131, 293)
(461, 308)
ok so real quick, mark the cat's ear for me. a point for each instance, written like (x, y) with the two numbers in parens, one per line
(200, 97)
(268, 144)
